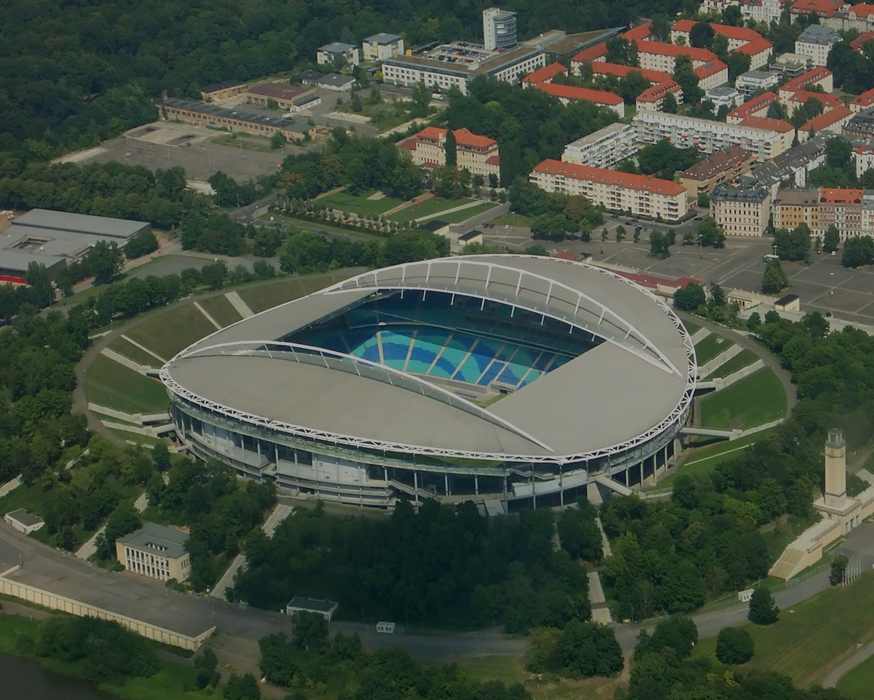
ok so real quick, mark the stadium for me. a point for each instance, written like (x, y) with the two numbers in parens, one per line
(518, 381)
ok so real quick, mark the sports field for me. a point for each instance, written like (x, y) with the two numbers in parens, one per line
(743, 359)
(360, 204)
(754, 400)
(107, 383)
(710, 347)
(169, 332)
(813, 637)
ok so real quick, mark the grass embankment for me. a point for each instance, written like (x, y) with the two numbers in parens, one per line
(752, 401)
(132, 352)
(360, 204)
(432, 205)
(168, 683)
(709, 347)
(743, 359)
(221, 310)
(458, 216)
(167, 333)
(692, 328)
(107, 383)
(266, 296)
(813, 637)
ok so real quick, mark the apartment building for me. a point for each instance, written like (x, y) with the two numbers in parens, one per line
(824, 9)
(655, 55)
(650, 99)
(863, 157)
(477, 154)
(863, 102)
(155, 551)
(740, 39)
(747, 83)
(817, 76)
(617, 191)
(858, 44)
(707, 135)
(841, 208)
(797, 100)
(785, 130)
(793, 166)
(831, 122)
(741, 210)
(716, 169)
(328, 53)
(544, 75)
(723, 97)
(792, 207)
(604, 148)
(567, 94)
(712, 74)
(816, 42)
(756, 107)
(861, 125)
(852, 17)
(382, 46)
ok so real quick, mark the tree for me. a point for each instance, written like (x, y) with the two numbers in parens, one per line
(734, 645)
(421, 97)
(205, 668)
(242, 688)
(684, 74)
(620, 233)
(277, 141)
(831, 240)
(579, 534)
(589, 649)
(310, 630)
(669, 104)
(690, 298)
(703, 201)
(660, 243)
(763, 608)
(738, 63)
(794, 244)
(701, 36)
(677, 633)
(450, 147)
(710, 234)
(838, 569)
(104, 261)
(858, 251)
(663, 160)
(774, 279)
(140, 245)
(619, 51)
(731, 15)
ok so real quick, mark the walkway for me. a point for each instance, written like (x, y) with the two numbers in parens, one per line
(469, 205)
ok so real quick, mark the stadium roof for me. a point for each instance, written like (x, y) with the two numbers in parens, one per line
(617, 395)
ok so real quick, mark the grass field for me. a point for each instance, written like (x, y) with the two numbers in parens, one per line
(710, 347)
(167, 333)
(513, 220)
(221, 310)
(267, 296)
(136, 438)
(132, 352)
(691, 327)
(360, 204)
(743, 359)
(430, 206)
(110, 384)
(754, 400)
(858, 684)
(813, 637)
(465, 214)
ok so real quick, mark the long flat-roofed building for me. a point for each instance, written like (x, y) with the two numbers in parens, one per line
(155, 551)
(707, 135)
(223, 90)
(617, 191)
(283, 94)
(568, 93)
(603, 148)
(232, 120)
(456, 64)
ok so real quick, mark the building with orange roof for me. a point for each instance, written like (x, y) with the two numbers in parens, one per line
(655, 55)
(832, 121)
(711, 74)
(639, 194)
(740, 39)
(863, 156)
(858, 44)
(544, 75)
(638, 33)
(593, 54)
(841, 208)
(820, 8)
(756, 107)
(785, 129)
(477, 154)
(797, 99)
(863, 101)
(652, 97)
(853, 18)
(569, 93)
(818, 76)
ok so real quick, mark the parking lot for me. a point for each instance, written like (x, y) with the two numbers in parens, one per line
(823, 285)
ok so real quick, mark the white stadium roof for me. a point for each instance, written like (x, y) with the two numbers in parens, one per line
(618, 395)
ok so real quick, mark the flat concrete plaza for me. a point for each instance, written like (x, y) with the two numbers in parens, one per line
(823, 284)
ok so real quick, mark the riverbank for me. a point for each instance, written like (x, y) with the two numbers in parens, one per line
(173, 680)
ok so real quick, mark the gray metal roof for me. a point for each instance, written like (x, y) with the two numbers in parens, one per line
(82, 223)
(157, 539)
(382, 38)
(251, 117)
(25, 518)
(819, 34)
(620, 391)
(336, 47)
(314, 604)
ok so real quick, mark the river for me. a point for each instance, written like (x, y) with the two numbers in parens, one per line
(24, 680)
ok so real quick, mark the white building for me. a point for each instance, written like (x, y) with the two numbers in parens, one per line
(654, 55)
(816, 41)
(499, 29)
(723, 97)
(382, 46)
(326, 54)
(707, 135)
(451, 65)
(23, 521)
(604, 148)
(741, 211)
(617, 191)
(747, 83)
(156, 551)
(863, 155)
(762, 10)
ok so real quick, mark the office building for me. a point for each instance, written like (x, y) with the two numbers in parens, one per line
(617, 191)
(604, 148)
(740, 210)
(715, 169)
(747, 83)
(477, 154)
(155, 551)
(499, 29)
(381, 46)
(330, 54)
(707, 135)
(816, 42)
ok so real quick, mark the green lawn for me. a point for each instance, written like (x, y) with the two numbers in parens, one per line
(221, 310)
(465, 214)
(693, 328)
(107, 383)
(858, 683)
(813, 637)
(360, 204)
(710, 347)
(743, 359)
(754, 400)
(167, 333)
(145, 440)
(267, 296)
(132, 352)
(512, 220)
(433, 205)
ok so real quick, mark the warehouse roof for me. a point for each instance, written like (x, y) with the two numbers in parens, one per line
(82, 223)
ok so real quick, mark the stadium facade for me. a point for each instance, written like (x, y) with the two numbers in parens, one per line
(515, 380)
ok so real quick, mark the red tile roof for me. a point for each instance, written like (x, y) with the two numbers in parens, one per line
(827, 119)
(564, 255)
(858, 43)
(493, 160)
(777, 125)
(866, 99)
(755, 47)
(660, 49)
(751, 107)
(655, 282)
(683, 25)
(654, 76)
(463, 137)
(569, 92)
(541, 75)
(658, 91)
(639, 33)
(861, 10)
(808, 78)
(828, 101)
(821, 8)
(610, 177)
(591, 53)
(708, 69)
(829, 195)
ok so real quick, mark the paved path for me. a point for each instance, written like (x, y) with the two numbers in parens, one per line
(462, 207)
(857, 659)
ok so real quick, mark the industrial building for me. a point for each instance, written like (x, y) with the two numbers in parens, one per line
(156, 551)
(283, 94)
(223, 90)
(250, 123)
